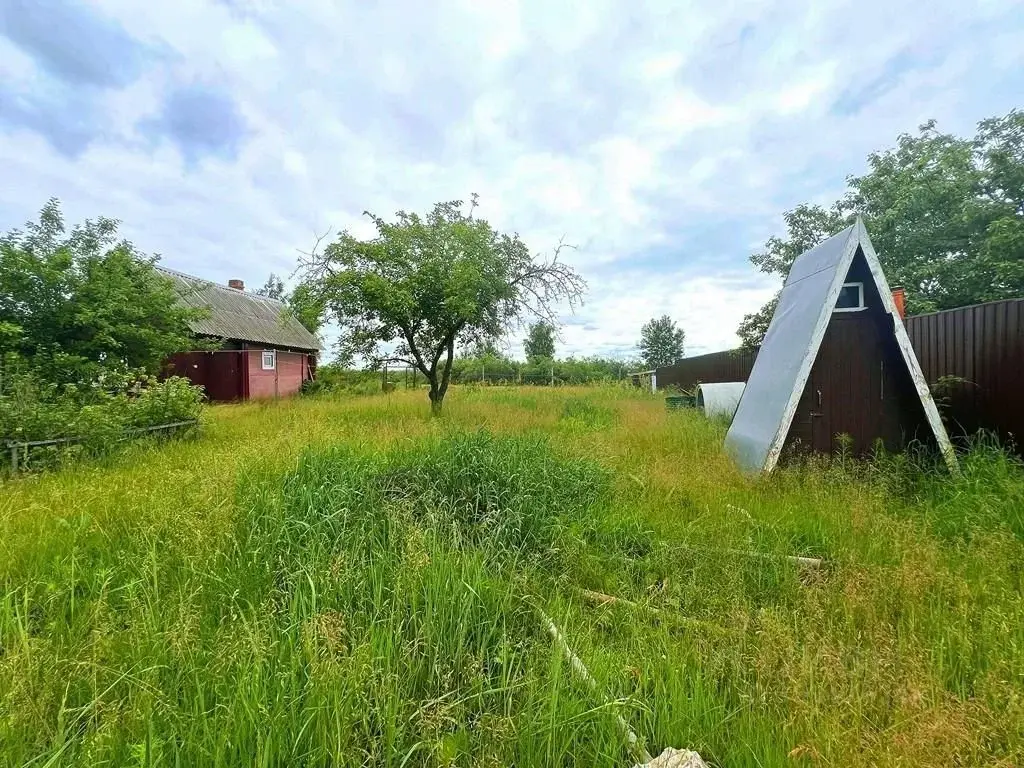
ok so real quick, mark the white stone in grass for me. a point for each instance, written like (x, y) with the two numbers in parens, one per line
(675, 758)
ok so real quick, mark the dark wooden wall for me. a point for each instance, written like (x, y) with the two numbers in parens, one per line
(220, 373)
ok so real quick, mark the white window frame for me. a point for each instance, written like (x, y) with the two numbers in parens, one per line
(273, 359)
(860, 299)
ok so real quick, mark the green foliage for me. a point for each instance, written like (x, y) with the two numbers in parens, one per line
(540, 343)
(946, 215)
(83, 305)
(88, 321)
(308, 306)
(273, 288)
(500, 369)
(427, 283)
(101, 416)
(334, 378)
(754, 326)
(661, 342)
(302, 302)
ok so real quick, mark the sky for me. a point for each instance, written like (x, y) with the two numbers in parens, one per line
(662, 139)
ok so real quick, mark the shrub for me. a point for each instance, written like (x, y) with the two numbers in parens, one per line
(99, 416)
(331, 378)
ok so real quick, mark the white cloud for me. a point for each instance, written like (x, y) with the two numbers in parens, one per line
(663, 140)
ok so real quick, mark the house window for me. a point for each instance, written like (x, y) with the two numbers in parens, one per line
(269, 359)
(851, 298)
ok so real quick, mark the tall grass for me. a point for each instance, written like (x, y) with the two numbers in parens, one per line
(344, 581)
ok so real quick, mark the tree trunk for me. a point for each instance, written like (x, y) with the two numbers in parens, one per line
(446, 373)
(438, 389)
(436, 400)
(435, 394)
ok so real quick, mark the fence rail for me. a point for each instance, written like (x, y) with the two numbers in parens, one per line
(19, 449)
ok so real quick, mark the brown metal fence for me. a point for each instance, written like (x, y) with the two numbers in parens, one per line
(732, 365)
(973, 358)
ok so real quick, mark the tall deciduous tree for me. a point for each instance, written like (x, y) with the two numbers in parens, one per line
(273, 288)
(302, 302)
(427, 283)
(661, 342)
(946, 215)
(307, 304)
(75, 305)
(540, 342)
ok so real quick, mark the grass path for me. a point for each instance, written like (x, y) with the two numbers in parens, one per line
(345, 581)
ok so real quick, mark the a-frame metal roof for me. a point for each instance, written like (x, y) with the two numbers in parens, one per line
(783, 365)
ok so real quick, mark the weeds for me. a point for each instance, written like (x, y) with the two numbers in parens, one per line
(288, 590)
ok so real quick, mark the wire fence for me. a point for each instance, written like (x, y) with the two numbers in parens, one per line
(561, 373)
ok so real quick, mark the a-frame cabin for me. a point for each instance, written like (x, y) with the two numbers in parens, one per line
(836, 360)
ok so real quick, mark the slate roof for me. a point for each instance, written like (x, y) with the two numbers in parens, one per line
(776, 382)
(235, 314)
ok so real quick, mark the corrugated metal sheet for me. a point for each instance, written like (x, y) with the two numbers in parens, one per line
(716, 367)
(982, 346)
(235, 314)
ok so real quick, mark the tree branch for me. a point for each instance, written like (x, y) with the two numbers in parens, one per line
(410, 340)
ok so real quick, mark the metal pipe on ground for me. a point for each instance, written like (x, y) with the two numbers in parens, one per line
(581, 669)
(807, 562)
(669, 758)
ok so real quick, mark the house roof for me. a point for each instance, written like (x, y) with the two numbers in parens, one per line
(235, 314)
(783, 365)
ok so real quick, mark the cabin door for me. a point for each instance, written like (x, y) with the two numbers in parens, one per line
(854, 385)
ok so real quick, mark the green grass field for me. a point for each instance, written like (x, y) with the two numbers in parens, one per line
(349, 582)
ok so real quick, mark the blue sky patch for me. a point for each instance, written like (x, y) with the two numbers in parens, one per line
(73, 43)
(201, 120)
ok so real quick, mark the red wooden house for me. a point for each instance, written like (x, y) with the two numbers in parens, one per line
(265, 351)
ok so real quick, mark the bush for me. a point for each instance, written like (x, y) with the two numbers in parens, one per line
(99, 416)
(333, 378)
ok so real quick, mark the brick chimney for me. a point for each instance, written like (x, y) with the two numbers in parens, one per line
(899, 298)
(238, 285)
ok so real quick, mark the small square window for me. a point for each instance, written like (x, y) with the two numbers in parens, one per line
(269, 359)
(851, 297)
